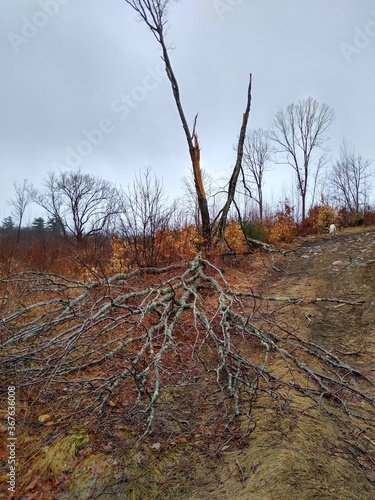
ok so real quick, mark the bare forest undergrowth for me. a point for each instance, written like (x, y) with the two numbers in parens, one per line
(250, 379)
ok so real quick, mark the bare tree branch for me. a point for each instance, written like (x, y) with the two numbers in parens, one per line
(24, 194)
(80, 204)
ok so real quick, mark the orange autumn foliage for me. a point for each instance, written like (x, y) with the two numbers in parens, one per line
(284, 229)
(233, 239)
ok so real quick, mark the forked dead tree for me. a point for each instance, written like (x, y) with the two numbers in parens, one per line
(154, 14)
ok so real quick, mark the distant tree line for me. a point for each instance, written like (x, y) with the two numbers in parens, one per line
(39, 224)
(297, 138)
(78, 205)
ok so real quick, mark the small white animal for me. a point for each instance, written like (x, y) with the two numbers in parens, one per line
(332, 230)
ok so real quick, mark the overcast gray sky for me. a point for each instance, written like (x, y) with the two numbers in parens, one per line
(82, 82)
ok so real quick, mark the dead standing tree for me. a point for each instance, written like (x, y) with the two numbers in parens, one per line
(23, 197)
(237, 167)
(257, 156)
(351, 178)
(154, 13)
(82, 205)
(297, 132)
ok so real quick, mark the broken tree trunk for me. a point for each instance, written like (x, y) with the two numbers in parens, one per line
(237, 168)
(154, 14)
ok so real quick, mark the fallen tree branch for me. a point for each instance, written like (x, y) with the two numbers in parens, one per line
(160, 346)
(267, 247)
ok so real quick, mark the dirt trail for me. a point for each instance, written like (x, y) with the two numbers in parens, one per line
(304, 453)
(342, 267)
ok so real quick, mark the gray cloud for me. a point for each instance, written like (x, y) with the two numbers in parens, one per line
(81, 67)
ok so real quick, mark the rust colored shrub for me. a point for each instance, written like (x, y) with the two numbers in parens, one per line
(233, 238)
(173, 246)
(319, 218)
(326, 216)
(369, 217)
(283, 228)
